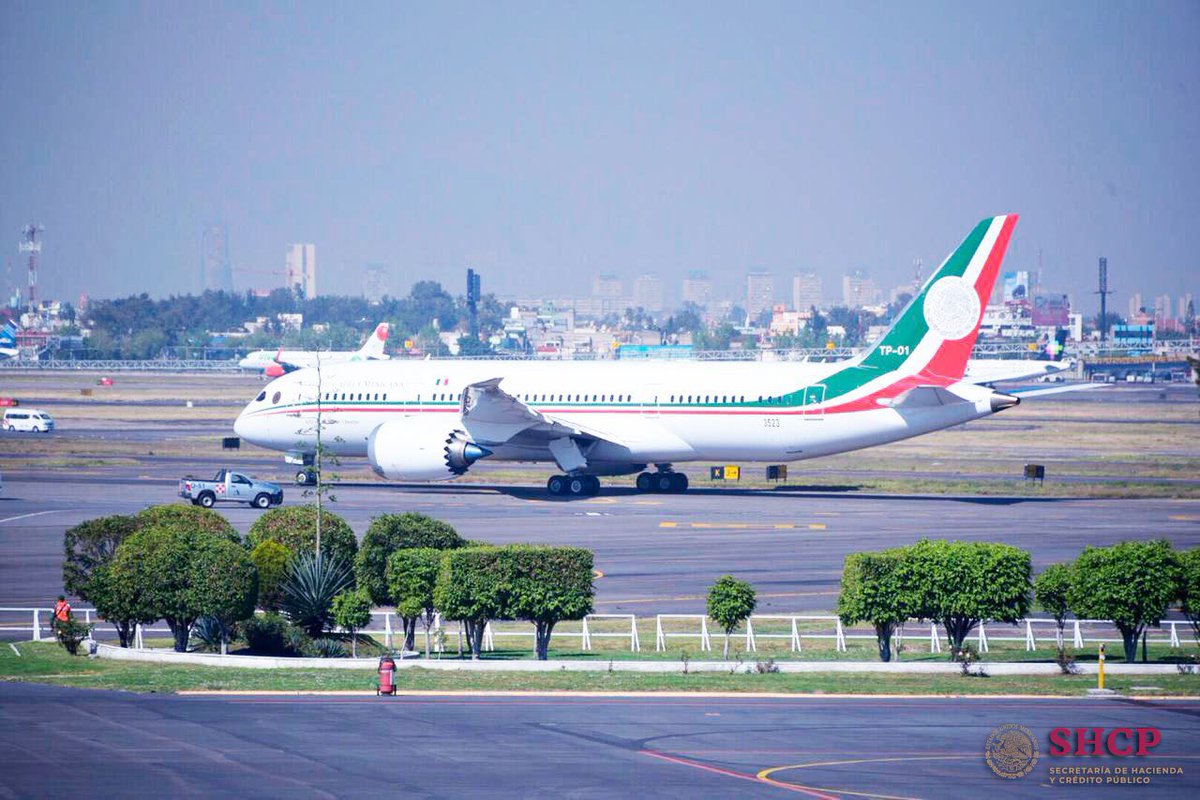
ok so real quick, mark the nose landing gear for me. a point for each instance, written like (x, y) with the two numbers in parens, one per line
(573, 485)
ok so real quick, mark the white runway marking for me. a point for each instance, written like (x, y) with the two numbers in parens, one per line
(34, 514)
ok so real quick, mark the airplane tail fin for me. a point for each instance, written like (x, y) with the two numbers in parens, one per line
(8, 335)
(931, 340)
(373, 347)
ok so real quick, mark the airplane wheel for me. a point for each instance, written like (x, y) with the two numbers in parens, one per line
(557, 485)
(593, 485)
(679, 482)
(645, 482)
(578, 486)
(664, 482)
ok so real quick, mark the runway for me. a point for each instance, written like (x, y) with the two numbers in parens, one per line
(658, 553)
(57, 742)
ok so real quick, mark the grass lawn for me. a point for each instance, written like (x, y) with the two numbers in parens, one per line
(46, 662)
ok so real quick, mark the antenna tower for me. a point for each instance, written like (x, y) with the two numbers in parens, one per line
(31, 244)
(1104, 292)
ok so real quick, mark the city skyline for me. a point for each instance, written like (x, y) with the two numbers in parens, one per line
(429, 140)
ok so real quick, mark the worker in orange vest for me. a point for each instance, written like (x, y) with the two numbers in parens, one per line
(62, 611)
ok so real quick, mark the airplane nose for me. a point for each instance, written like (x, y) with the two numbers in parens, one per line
(241, 426)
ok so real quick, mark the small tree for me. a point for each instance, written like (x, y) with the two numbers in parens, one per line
(1130, 583)
(295, 527)
(873, 592)
(1189, 588)
(547, 585)
(309, 587)
(730, 603)
(960, 584)
(271, 558)
(387, 534)
(411, 577)
(470, 588)
(179, 574)
(88, 548)
(1050, 590)
(352, 611)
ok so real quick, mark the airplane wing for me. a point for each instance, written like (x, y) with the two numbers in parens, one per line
(1041, 391)
(493, 416)
(994, 370)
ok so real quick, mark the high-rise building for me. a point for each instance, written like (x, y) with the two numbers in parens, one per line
(1135, 305)
(301, 270)
(697, 288)
(606, 296)
(760, 293)
(648, 293)
(1162, 307)
(216, 273)
(859, 290)
(806, 291)
(1185, 300)
(374, 283)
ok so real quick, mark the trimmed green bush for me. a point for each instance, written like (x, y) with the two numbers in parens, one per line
(389, 533)
(730, 603)
(959, 584)
(470, 589)
(352, 611)
(271, 558)
(411, 578)
(546, 585)
(88, 549)
(1051, 589)
(872, 591)
(271, 635)
(1189, 588)
(187, 518)
(178, 573)
(295, 527)
(1130, 583)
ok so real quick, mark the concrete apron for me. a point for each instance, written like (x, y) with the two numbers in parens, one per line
(600, 665)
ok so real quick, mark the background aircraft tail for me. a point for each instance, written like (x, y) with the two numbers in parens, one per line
(8, 336)
(373, 347)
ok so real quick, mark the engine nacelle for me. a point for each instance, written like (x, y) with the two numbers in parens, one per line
(413, 449)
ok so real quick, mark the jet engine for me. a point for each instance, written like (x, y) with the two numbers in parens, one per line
(413, 449)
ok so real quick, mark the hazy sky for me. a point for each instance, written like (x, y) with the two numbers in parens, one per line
(544, 143)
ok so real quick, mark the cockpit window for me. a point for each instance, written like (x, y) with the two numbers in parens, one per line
(275, 398)
(261, 396)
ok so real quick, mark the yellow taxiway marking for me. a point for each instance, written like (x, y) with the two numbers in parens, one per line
(668, 524)
(765, 775)
(647, 502)
(1184, 517)
(602, 501)
(597, 574)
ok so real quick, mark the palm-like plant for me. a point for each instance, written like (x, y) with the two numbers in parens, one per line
(309, 586)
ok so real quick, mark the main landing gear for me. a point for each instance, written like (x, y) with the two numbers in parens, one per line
(573, 485)
(662, 482)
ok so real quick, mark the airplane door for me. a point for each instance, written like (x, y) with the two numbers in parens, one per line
(812, 395)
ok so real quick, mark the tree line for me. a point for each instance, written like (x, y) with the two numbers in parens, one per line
(958, 585)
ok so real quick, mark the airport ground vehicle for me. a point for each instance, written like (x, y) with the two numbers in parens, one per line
(28, 419)
(228, 486)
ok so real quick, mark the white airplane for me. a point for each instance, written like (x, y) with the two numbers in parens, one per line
(274, 363)
(431, 420)
(8, 341)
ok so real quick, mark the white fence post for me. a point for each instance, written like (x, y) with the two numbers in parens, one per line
(87, 616)
(705, 642)
(387, 630)
(840, 641)
(1078, 635)
(138, 644)
(1174, 636)
(795, 643)
(37, 626)
(1030, 642)
(660, 642)
(899, 640)
(935, 644)
(585, 641)
(635, 644)
(983, 642)
(489, 643)
(751, 645)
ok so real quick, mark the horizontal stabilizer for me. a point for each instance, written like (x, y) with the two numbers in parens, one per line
(925, 397)
(1041, 391)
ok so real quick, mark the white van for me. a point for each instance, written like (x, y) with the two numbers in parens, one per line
(27, 419)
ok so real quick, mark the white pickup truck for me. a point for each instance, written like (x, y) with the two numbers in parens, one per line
(228, 486)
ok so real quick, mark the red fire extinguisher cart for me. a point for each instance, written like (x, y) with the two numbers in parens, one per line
(387, 676)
